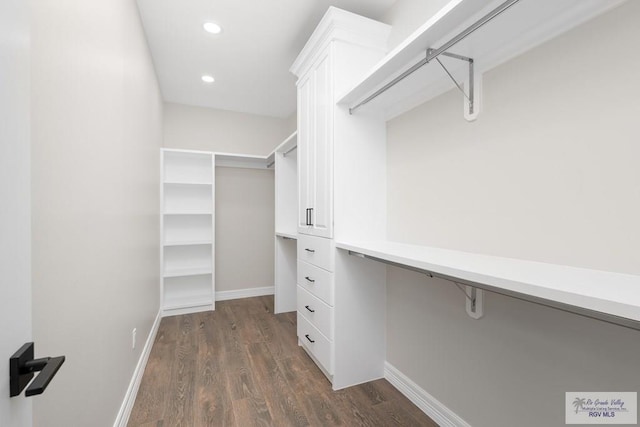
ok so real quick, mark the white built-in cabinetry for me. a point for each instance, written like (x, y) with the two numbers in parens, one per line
(284, 160)
(187, 227)
(341, 49)
(315, 154)
(342, 181)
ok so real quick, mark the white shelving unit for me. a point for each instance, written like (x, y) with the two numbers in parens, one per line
(187, 231)
(284, 160)
(521, 27)
(188, 226)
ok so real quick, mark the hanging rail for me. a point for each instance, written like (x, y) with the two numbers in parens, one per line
(432, 54)
(289, 150)
(585, 312)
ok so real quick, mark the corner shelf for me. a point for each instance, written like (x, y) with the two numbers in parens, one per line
(521, 27)
(608, 296)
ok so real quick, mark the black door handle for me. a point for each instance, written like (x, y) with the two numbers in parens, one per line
(307, 337)
(310, 279)
(22, 366)
(307, 307)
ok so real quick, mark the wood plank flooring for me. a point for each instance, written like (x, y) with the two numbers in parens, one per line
(241, 366)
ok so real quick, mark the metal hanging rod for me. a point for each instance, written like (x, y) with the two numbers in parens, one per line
(585, 312)
(432, 54)
(289, 150)
(271, 164)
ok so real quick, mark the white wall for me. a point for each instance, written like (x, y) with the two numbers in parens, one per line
(15, 202)
(96, 130)
(208, 129)
(547, 173)
(245, 218)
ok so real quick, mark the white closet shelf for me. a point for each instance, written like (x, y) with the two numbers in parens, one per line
(518, 29)
(240, 161)
(187, 213)
(174, 303)
(186, 183)
(608, 296)
(195, 271)
(288, 234)
(189, 242)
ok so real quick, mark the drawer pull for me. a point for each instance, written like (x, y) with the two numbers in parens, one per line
(309, 279)
(307, 337)
(307, 307)
(310, 250)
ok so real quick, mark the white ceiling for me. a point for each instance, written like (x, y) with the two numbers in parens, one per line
(250, 59)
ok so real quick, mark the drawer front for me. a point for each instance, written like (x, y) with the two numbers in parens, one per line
(317, 251)
(316, 280)
(316, 312)
(321, 347)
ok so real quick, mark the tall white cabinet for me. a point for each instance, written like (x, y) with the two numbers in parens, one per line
(187, 231)
(339, 52)
(316, 148)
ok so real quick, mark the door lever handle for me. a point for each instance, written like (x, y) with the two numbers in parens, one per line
(22, 366)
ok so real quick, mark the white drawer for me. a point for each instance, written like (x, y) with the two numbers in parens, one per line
(315, 343)
(316, 312)
(316, 280)
(317, 251)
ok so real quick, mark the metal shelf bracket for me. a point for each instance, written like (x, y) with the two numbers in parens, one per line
(471, 100)
(474, 300)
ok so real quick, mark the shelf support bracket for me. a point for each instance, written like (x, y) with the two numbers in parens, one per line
(471, 100)
(474, 300)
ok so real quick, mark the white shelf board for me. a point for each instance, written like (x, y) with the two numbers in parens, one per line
(189, 242)
(248, 161)
(188, 272)
(287, 144)
(186, 183)
(186, 213)
(288, 234)
(520, 28)
(173, 303)
(614, 294)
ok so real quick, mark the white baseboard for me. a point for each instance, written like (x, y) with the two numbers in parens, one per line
(245, 293)
(129, 399)
(423, 400)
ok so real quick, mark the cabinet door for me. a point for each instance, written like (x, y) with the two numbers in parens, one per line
(305, 151)
(322, 215)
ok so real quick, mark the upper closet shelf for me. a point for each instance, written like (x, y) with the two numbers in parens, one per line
(522, 26)
(608, 296)
(240, 161)
(285, 147)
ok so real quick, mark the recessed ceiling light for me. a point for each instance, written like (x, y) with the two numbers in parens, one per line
(212, 28)
(208, 79)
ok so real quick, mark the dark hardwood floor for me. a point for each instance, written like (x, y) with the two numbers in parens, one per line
(241, 366)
